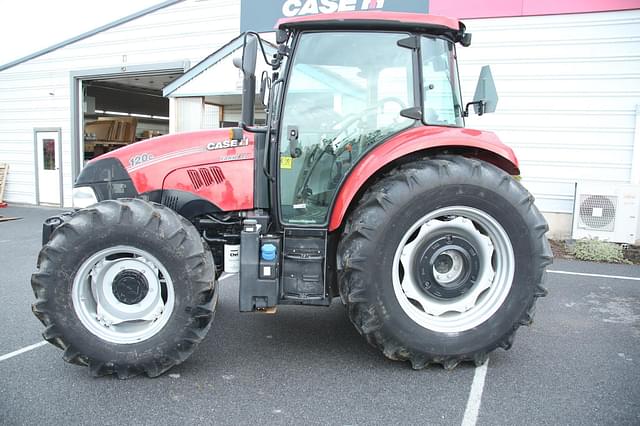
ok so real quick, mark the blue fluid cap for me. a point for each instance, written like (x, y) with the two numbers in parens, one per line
(268, 252)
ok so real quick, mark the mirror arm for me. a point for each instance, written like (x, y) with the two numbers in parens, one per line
(257, 36)
(481, 106)
(253, 129)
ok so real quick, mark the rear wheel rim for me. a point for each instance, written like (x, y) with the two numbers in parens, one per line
(123, 295)
(453, 269)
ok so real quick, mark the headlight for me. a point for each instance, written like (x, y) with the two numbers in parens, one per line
(83, 196)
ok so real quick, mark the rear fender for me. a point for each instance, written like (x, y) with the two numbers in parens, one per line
(423, 140)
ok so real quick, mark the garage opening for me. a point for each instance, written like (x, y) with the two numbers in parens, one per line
(122, 110)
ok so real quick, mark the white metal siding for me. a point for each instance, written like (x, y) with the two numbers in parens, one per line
(231, 113)
(568, 88)
(37, 93)
(189, 114)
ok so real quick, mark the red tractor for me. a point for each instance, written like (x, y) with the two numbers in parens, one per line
(363, 184)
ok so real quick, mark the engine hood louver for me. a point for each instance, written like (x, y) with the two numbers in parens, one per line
(205, 176)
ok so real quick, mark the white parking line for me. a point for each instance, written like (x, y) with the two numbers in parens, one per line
(23, 350)
(617, 277)
(37, 345)
(475, 396)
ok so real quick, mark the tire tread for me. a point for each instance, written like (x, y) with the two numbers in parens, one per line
(351, 278)
(110, 213)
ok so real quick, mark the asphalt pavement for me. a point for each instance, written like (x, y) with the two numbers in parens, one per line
(579, 363)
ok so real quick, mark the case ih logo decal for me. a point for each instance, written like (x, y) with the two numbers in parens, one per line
(311, 7)
(262, 15)
(227, 144)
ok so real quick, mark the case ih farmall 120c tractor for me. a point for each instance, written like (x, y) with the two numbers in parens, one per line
(363, 185)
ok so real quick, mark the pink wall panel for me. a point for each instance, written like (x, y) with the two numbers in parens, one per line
(497, 8)
(549, 7)
(475, 8)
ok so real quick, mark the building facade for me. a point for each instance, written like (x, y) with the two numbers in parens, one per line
(568, 78)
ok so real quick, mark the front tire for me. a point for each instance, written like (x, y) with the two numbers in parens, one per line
(125, 287)
(442, 260)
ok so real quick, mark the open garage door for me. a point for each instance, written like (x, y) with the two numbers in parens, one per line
(121, 110)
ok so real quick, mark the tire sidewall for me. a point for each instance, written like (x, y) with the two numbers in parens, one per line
(134, 234)
(396, 323)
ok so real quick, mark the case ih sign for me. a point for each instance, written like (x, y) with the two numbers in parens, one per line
(262, 16)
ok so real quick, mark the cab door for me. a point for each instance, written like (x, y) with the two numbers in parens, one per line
(344, 96)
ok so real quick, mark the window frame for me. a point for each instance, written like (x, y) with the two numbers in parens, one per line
(454, 85)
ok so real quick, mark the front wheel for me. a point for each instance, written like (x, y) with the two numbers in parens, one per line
(125, 287)
(442, 260)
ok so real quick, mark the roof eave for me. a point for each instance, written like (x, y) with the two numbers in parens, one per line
(208, 62)
(369, 18)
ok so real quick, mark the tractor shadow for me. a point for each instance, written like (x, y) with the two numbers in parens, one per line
(296, 338)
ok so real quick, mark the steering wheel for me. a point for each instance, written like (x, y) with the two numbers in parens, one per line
(339, 143)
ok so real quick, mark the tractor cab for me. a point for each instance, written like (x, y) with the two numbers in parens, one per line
(348, 82)
(347, 92)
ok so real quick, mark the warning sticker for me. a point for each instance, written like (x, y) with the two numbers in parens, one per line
(286, 162)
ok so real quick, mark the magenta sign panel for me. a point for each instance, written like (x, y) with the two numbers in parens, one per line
(500, 8)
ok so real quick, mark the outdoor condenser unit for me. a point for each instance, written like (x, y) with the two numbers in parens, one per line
(607, 212)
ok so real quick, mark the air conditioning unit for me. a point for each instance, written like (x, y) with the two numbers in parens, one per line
(607, 211)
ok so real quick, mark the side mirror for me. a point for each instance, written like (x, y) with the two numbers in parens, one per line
(281, 36)
(248, 66)
(249, 55)
(466, 40)
(485, 98)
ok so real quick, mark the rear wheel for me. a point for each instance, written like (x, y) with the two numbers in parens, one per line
(125, 287)
(442, 260)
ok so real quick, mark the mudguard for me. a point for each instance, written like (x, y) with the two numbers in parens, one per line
(480, 144)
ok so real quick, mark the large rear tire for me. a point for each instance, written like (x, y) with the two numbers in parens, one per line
(125, 287)
(442, 260)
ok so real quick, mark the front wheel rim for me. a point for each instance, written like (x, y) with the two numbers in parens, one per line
(123, 295)
(453, 269)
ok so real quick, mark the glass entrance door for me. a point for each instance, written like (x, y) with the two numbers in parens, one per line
(48, 163)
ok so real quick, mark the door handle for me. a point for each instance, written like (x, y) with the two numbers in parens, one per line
(294, 151)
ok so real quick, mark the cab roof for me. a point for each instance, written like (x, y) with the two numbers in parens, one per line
(376, 20)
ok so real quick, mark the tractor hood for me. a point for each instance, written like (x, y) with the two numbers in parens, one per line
(209, 164)
(183, 149)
